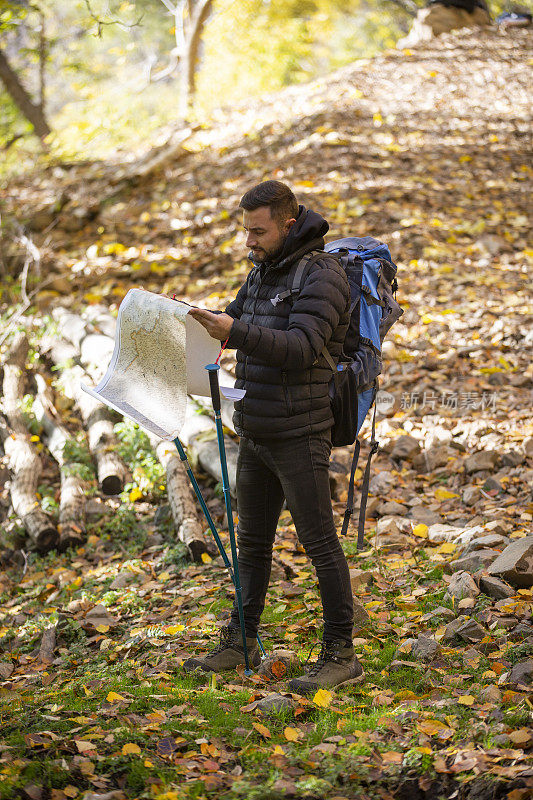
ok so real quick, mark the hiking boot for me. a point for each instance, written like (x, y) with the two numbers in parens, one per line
(336, 666)
(227, 654)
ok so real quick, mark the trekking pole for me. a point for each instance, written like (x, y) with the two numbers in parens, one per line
(215, 396)
(212, 527)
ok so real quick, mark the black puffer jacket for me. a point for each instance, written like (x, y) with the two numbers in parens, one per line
(279, 360)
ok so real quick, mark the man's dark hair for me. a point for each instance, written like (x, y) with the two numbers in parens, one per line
(274, 194)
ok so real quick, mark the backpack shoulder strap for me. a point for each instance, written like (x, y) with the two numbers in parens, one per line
(306, 261)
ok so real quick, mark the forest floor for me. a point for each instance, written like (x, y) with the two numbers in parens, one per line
(427, 150)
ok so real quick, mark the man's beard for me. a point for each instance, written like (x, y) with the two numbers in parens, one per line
(266, 256)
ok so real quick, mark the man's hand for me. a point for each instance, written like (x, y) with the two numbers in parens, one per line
(217, 325)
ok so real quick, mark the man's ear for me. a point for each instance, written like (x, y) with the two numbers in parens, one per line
(289, 224)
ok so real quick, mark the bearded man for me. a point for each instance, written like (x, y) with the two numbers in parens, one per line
(284, 422)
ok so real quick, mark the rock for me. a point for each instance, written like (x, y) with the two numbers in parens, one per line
(392, 525)
(522, 673)
(391, 507)
(469, 631)
(515, 563)
(483, 459)
(121, 580)
(512, 459)
(498, 526)
(425, 648)
(405, 447)
(461, 585)
(399, 664)
(443, 533)
(520, 633)
(381, 483)
(6, 669)
(285, 661)
(431, 459)
(361, 615)
(421, 513)
(491, 540)
(492, 485)
(528, 446)
(471, 495)
(468, 534)
(359, 578)
(490, 694)
(496, 588)
(440, 611)
(473, 561)
(272, 703)
(95, 509)
(162, 514)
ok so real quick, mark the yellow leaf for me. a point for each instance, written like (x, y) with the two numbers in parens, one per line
(465, 158)
(444, 494)
(70, 791)
(278, 751)
(113, 697)
(163, 576)
(421, 530)
(101, 628)
(466, 700)
(172, 629)
(521, 736)
(323, 698)
(135, 494)
(291, 734)
(262, 730)
(447, 547)
(83, 746)
(206, 558)
(131, 749)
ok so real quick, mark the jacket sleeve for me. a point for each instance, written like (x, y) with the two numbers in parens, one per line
(236, 306)
(316, 312)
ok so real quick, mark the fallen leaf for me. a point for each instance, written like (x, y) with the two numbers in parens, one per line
(291, 734)
(322, 698)
(262, 730)
(466, 700)
(131, 749)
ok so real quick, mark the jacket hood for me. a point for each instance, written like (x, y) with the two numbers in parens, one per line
(310, 228)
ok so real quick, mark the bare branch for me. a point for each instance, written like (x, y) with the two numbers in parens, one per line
(101, 22)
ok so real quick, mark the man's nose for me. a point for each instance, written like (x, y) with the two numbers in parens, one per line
(251, 240)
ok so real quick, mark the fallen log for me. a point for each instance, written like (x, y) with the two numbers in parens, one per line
(181, 498)
(199, 435)
(72, 497)
(97, 418)
(24, 462)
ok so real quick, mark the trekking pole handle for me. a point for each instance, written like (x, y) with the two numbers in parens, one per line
(213, 385)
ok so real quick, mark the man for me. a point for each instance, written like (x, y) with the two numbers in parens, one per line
(284, 422)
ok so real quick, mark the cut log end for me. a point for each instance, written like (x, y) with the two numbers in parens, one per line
(41, 530)
(111, 484)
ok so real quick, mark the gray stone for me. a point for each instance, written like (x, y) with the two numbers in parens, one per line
(273, 703)
(512, 459)
(469, 533)
(462, 585)
(496, 588)
(162, 514)
(469, 630)
(429, 460)
(522, 673)
(359, 578)
(492, 485)
(381, 483)
(443, 533)
(490, 694)
(500, 526)
(95, 509)
(528, 446)
(361, 617)
(393, 525)
(425, 648)
(484, 459)
(405, 447)
(391, 507)
(399, 664)
(471, 495)
(490, 540)
(474, 561)
(440, 611)
(421, 513)
(515, 563)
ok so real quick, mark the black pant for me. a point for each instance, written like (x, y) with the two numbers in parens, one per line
(295, 469)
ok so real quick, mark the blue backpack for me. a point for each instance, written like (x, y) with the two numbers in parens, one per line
(371, 274)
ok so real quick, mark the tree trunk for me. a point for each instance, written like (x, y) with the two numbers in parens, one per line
(181, 498)
(189, 58)
(24, 462)
(72, 499)
(33, 113)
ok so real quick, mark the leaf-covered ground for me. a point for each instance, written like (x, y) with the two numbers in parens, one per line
(428, 151)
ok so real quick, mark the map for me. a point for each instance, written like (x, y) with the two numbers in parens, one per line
(159, 358)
